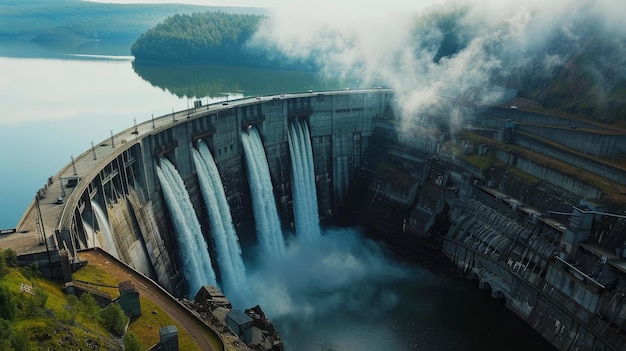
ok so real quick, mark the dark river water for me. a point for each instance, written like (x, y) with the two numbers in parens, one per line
(341, 294)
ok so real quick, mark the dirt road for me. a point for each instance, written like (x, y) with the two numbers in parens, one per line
(203, 336)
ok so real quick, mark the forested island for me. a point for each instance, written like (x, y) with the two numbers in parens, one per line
(76, 26)
(214, 37)
(198, 37)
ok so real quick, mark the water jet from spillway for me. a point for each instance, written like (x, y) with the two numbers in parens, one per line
(226, 242)
(306, 216)
(269, 230)
(196, 261)
(105, 230)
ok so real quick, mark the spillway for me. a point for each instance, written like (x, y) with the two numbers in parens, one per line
(226, 242)
(268, 226)
(107, 242)
(192, 245)
(306, 217)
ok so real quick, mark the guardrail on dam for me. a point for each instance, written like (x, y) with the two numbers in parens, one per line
(111, 192)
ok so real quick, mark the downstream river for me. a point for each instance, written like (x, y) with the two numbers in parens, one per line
(56, 102)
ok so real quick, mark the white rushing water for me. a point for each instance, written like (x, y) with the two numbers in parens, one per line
(306, 216)
(226, 242)
(269, 231)
(105, 230)
(194, 253)
(91, 235)
(303, 284)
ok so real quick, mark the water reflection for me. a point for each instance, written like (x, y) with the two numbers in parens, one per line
(214, 80)
(60, 49)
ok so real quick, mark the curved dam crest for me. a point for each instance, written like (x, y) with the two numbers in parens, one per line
(120, 174)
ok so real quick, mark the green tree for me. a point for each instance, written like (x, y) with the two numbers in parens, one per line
(35, 305)
(114, 319)
(132, 342)
(72, 307)
(34, 269)
(20, 341)
(6, 334)
(199, 37)
(89, 305)
(3, 264)
(10, 257)
(41, 297)
(8, 306)
(91, 309)
(30, 271)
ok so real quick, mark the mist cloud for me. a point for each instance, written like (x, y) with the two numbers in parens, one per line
(328, 289)
(432, 50)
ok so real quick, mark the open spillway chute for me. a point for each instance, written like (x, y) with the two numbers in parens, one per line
(306, 216)
(106, 233)
(269, 230)
(195, 257)
(225, 240)
(90, 235)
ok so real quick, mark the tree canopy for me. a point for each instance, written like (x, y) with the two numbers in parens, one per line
(217, 37)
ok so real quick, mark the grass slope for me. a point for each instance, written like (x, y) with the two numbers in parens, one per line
(56, 327)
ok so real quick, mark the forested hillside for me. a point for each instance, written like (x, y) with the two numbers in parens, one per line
(63, 20)
(199, 37)
(591, 83)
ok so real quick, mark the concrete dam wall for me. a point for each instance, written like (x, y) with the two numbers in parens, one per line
(120, 205)
(550, 254)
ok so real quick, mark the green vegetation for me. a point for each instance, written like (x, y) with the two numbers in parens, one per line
(146, 327)
(36, 314)
(483, 162)
(199, 37)
(131, 342)
(210, 37)
(8, 306)
(70, 20)
(114, 319)
(589, 84)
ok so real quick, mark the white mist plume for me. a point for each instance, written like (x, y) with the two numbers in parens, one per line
(432, 50)
(322, 280)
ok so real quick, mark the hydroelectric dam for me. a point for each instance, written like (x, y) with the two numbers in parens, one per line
(175, 197)
(112, 196)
